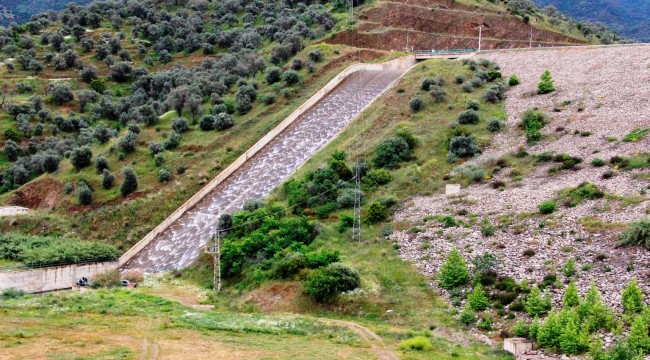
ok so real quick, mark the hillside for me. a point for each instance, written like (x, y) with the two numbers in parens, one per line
(627, 17)
(20, 11)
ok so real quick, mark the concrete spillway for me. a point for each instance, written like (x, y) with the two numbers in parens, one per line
(181, 243)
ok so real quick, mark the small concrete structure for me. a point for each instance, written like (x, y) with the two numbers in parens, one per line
(516, 346)
(13, 210)
(51, 278)
(452, 189)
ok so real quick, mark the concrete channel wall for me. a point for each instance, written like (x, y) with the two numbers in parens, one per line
(400, 63)
(51, 278)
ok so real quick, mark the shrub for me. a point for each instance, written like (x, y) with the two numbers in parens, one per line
(102, 163)
(473, 105)
(128, 142)
(536, 305)
(206, 123)
(438, 93)
(376, 212)
(473, 172)
(494, 125)
(61, 93)
(346, 221)
(289, 266)
(427, 83)
(514, 80)
(291, 77)
(463, 146)
(485, 263)
(164, 175)
(467, 87)
(485, 323)
(637, 234)
(459, 79)
(546, 85)
(324, 284)
(477, 299)
(468, 117)
(638, 339)
(453, 272)
(391, 152)
(268, 99)
(12, 293)
(108, 179)
(418, 343)
(377, 177)
(448, 221)
(532, 122)
(416, 104)
(467, 316)
(179, 125)
(323, 257)
(156, 148)
(244, 104)
(106, 279)
(223, 121)
(597, 162)
(569, 268)
(632, 298)
(84, 194)
(81, 157)
(571, 297)
(547, 207)
(572, 197)
(273, 75)
(130, 183)
(172, 141)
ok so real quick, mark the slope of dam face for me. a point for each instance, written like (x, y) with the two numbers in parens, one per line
(181, 243)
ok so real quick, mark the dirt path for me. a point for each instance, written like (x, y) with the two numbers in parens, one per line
(376, 343)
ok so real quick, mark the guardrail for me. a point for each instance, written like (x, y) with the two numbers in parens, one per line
(443, 52)
(31, 266)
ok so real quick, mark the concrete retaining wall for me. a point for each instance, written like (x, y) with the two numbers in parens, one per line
(51, 278)
(13, 210)
(400, 63)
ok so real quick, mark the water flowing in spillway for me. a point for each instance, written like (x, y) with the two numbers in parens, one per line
(181, 243)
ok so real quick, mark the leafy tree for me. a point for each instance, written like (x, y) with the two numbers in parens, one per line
(88, 74)
(568, 341)
(130, 183)
(569, 268)
(223, 121)
(291, 77)
(391, 152)
(469, 116)
(454, 272)
(101, 164)
(86, 97)
(571, 297)
(632, 298)
(546, 85)
(61, 93)
(376, 212)
(12, 150)
(81, 157)
(550, 331)
(102, 133)
(51, 163)
(179, 125)
(416, 104)
(84, 194)
(485, 263)
(164, 175)
(108, 179)
(477, 300)
(463, 146)
(128, 142)
(206, 123)
(121, 71)
(99, 85)
(273, 75)
(536, 305)
(323, 284)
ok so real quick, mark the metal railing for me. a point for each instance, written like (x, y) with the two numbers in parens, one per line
(31, 266)
(433, 52)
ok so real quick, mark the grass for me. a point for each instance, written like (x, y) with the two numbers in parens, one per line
(128, 324)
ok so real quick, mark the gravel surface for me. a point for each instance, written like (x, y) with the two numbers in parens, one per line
(609, 90)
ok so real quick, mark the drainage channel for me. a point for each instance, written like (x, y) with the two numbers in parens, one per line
(181, 243)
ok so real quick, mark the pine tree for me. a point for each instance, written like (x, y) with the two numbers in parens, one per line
(571, 297)
(535, 304)
(550, 331)
(453, 272)
(632, 298)
(467, 316)
(569, 339)
(546, 85)
(477, 299)
(638, 340)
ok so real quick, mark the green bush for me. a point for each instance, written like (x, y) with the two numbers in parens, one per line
(467, 316)
(632, 298)
(164, 175)
(323, 257)
(637, 234)
(532, 122)
(391, 152)
(453, 272)
(597, 162)
(547, 207)
(546, 85)
(84, 194)
(418, 343)
(536, 305)
(106, 279)
(486, 228)
(569, 268)
(81, 157)
(494, 125)
(636, 135)
(438, 93)
(468, 117)
(346, 221)
(571, 297)
(12, 293)
(485, 323)
(130, 183)
(416, 104)
(514, 80)
(473, 105)
(376, 212)
(550, 332)
(377, 177)
(477, 300)
(289, 266)
(572, 197)
(291, 77)
(324, 284)
(463, 146)
(638, 339)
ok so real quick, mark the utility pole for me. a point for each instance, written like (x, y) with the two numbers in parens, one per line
(351, 15)
(214, 249)
(408, 32)
(480, 35)
(531, 36)
(356, 224)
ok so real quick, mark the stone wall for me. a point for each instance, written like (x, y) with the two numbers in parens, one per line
(51, 278)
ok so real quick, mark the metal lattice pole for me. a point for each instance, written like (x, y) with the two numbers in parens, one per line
(214, 249)
(356, 226)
